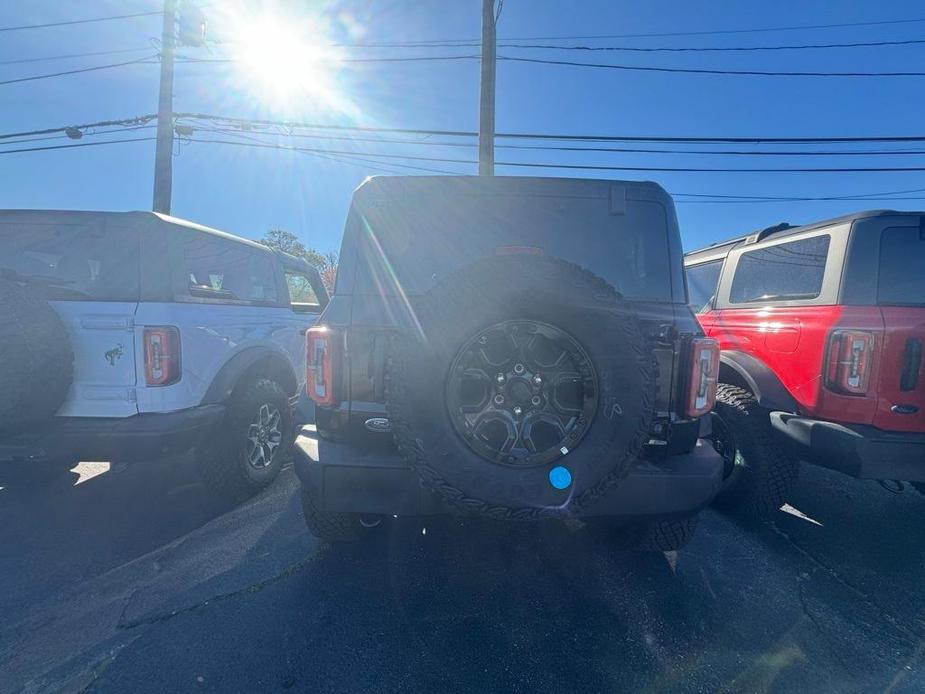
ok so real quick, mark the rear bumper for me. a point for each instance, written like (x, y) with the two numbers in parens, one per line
(377, 481)
(857, 450)
(140, 437)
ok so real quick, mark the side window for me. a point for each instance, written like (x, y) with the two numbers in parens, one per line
(224, 270)
(902, 267)
(783, 272)
(701, 284)
(302, 295)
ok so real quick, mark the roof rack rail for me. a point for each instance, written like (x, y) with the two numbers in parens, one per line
(767, 231)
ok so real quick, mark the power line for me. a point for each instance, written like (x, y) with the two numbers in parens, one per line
(562, 137)
(708, 71)
(588, 167)
(67, 56)
(555, 148)
(788, 200)
(78, 71)
(79, 21)
(136, 120)
(46, 138)
(714, 32)
(79, 144)
(856, 196)
(649, 49)
(326, 126)
(337, 61)
(608, 66)
(709, 49)
(250, 122)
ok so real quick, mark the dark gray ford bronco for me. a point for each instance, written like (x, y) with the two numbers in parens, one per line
(518, 348)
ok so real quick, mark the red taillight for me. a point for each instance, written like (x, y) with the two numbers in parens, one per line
(162, 355)
(320, 348)
(850, 357)
(704, 374)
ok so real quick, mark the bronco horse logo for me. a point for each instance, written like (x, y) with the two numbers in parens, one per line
(113, 355)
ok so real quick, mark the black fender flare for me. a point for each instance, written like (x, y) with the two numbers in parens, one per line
(760, 379)
(254, 360)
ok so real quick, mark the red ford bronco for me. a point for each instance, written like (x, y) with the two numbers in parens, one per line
(821, 329)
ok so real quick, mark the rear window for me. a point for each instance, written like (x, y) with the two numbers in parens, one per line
(902, 267)
(783, 272)
(223, 270)
(407, 244)
(72, 262)
(701, 284)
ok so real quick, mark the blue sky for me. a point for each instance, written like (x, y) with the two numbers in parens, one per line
(246, 190)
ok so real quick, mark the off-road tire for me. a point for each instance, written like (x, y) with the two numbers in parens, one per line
(36, 359)
(666, 535)
(224, 459)
(766, 471)
(519, 288)
(328, 526)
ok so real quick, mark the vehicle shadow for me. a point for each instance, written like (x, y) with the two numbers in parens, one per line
(71, 523)
(486, 606)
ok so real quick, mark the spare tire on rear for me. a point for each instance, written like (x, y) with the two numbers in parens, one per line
(36, 360)
(524, 388)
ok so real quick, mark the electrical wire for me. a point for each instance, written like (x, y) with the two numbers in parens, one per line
(713, 32)
(78, 71)
(675, 139)
(79, 144)
(555, 148)
(708, 71)
(650, 49)
(136, 120)
(80, 21)
(68, 56)
(587, 167)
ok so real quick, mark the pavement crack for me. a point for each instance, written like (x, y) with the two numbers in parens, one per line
(290, 570)
(908, 632)
(823, 632)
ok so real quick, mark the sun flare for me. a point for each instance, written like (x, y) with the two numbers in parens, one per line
(288, 62)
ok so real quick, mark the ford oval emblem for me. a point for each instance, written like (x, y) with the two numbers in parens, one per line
(380, 425)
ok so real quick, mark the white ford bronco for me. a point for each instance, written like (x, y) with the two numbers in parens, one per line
(132, 335)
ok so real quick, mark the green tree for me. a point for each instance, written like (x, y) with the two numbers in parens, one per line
(286, 241)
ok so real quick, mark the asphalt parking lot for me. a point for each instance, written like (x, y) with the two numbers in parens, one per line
(135, 579)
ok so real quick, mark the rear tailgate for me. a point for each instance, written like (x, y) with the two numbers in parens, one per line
(901, 295)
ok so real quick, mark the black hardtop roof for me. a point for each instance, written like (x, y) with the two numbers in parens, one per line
(376, 186)
(784, 229)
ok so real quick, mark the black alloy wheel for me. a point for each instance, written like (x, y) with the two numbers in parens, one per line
(522, 393)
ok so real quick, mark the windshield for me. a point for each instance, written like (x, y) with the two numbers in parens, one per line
(72, 261)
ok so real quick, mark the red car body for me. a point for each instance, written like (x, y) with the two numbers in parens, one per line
(825, 324)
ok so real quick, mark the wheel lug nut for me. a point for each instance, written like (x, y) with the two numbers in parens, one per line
(483, 340)
(499, 378)
(518, 411)
(536, 400)
(518, 368)
(537, 380)
(499, 399)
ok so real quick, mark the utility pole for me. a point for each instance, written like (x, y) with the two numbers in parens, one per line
(163, 154)
(487, 96)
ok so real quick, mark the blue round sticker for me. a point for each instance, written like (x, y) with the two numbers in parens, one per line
(560, 477)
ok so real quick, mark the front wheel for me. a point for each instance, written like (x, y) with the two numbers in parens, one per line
(246, 453)
(759, 473)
